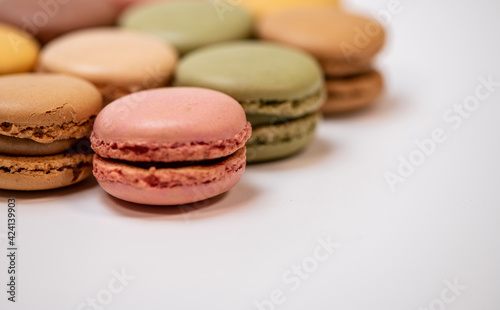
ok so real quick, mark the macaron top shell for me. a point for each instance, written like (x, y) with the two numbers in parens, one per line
(189, 24)
(262, 7)
(160, 124)
(325, 33)
(19, 51)
(49, 19)
(110, 55)
(249, 70)
(32, 99)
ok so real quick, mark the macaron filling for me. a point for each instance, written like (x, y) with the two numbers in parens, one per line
(47, 164)
(17, 146)
(283, 132)
(285, 108)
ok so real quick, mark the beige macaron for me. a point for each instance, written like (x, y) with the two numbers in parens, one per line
(117, 61)
(44, 121)
(345, 44)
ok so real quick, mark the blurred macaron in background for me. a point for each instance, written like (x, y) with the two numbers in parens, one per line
(47, 20)
(117, 61)
(189, 24)
(18, 50)
(344, 43)
(261, 8)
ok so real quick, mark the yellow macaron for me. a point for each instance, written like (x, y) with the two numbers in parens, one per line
(263, 7)
(19, 50)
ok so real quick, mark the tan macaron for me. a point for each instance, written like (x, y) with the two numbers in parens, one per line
(345, 44)
(117, 61)
(43, 119)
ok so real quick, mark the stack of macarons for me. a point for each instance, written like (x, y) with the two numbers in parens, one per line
(344, 43)
(189, 97)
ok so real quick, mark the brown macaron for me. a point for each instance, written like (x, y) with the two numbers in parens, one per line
(43, 119)
(345, 44)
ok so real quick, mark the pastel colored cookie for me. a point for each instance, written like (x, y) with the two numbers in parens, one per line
(18, 50)
(49, 19)
(345, 44)
(189, 24)
(43, 119)
(117, 61)
(277, 86)
(172, 146)
(263, 7)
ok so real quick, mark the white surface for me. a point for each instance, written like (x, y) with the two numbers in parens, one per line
(397, 249)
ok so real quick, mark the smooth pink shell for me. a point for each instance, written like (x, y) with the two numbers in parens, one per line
(171, 124)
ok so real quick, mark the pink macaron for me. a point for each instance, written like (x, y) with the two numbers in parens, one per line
(170, 146)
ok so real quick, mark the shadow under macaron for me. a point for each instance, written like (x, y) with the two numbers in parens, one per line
(40, 196)
(385, 106)
(316, 152)
(239, 196)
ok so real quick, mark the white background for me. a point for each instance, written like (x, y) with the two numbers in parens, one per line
(396, 250)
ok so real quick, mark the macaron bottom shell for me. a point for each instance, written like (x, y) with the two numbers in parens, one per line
(171, 185)
(352, 93)
(278, 141)
(32, 173)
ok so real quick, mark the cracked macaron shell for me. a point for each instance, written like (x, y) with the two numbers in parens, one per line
(46, 100)
(171, 124)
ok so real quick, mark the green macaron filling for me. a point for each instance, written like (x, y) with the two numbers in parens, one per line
(272, 111)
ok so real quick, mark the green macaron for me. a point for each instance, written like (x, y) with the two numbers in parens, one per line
(280, 88)
(189, 24)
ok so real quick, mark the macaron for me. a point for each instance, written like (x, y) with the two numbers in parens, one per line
(170, 146)
(43, 119)
(263, 7)
(51, 18)
(344, 43)
(19, 51)
(189, 24)
(280, 88)
(117, 61)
